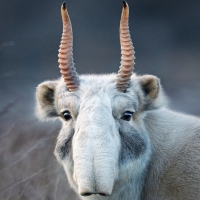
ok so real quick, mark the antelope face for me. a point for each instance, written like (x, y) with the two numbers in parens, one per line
(102, 132)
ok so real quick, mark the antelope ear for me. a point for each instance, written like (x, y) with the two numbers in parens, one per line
(152, 91)
(150, 86)
(45, 100)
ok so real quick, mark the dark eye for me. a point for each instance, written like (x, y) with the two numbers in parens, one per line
(67, 115)
(127, 115)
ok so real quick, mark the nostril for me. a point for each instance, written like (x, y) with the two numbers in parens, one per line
(102, 194)
(86, 194)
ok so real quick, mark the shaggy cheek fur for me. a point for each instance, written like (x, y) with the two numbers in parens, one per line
(63, 147)
(133, 145)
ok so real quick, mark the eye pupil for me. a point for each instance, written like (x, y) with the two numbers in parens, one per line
(127, 115)
(67, 115)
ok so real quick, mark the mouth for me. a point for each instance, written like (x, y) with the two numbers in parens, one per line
(89, 194)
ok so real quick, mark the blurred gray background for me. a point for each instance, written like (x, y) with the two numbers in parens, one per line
(166, 37)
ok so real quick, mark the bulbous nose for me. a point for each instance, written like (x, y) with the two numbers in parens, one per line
(87, 190)
(93, 187)
(95, 154)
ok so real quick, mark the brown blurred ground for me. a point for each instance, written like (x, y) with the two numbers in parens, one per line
(167, 43)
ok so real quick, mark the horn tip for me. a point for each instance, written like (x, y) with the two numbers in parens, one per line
(64, 5)
(124, 4)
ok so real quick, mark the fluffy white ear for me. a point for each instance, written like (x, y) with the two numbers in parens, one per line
(152, 91)
(45, 100)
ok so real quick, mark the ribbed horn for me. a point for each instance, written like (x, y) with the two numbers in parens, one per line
(127, 51)
(65, 55)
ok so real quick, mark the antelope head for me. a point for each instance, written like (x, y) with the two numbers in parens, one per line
(102, 115)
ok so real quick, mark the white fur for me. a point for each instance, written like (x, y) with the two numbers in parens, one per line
(167, 168)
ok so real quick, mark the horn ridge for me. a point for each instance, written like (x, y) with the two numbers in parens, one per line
(127, 51)
(65, 56)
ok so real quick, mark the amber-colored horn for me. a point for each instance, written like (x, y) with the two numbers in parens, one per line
(127, 51)
(65, 55)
